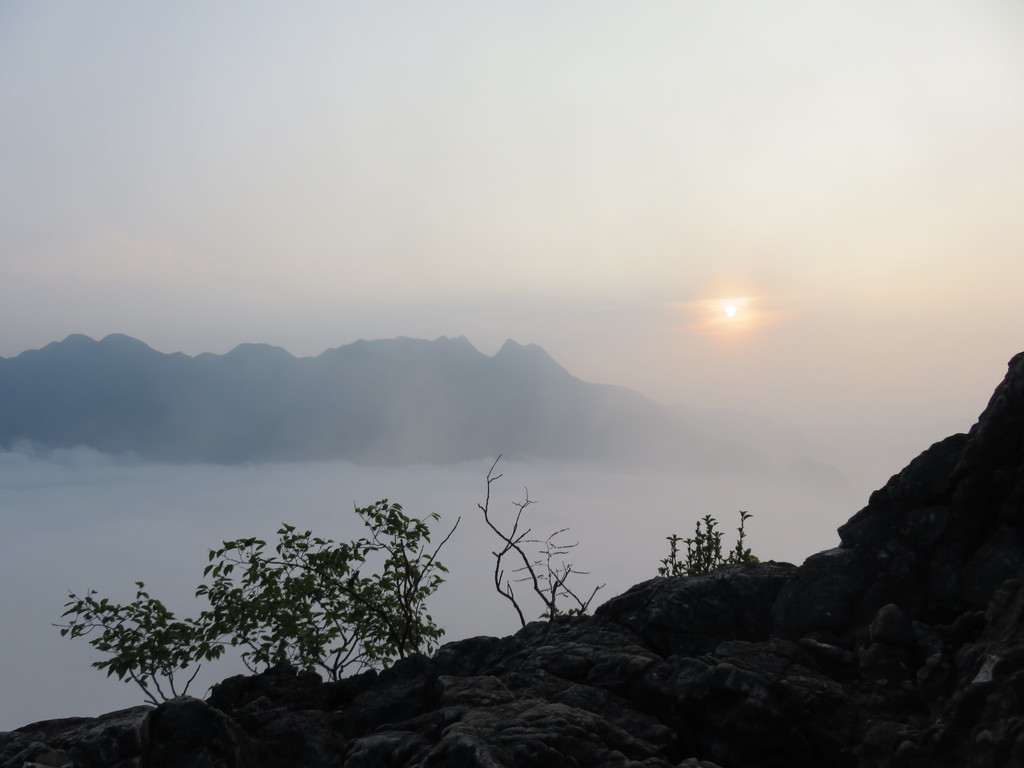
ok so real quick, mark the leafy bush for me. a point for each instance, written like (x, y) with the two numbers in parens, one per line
(309, 602)
(704, 549)
(146, 642)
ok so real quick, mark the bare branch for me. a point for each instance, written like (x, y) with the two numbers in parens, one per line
(543, 572)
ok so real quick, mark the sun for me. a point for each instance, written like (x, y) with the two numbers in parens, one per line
(731, 315)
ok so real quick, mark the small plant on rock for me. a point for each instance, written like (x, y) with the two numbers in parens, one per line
(704, 549)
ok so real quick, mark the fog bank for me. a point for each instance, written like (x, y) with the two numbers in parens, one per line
(78, 520)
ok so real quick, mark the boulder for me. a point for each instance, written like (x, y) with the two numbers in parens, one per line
(114, 739)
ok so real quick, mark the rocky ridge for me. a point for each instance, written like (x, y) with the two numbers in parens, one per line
(903, 647)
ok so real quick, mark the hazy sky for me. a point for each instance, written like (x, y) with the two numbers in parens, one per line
(602, 179)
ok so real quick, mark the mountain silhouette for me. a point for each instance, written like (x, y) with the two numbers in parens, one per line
(391, 401)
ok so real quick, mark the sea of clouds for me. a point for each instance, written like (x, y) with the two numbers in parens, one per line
(77, 519)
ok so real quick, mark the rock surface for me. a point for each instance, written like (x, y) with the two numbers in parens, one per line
(903, 647)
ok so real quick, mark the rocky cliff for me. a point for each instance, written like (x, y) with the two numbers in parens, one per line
(902, 647)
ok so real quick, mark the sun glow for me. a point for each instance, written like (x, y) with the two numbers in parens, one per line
(733, 316)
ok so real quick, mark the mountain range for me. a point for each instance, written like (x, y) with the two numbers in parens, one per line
(391, 401)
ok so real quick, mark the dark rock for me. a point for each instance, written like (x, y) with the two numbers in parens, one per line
(691, 616)
(114, 739)
(820, 600)
(891, 627)
(284, 686)
(902, 648)
(891, 655)
(188, 733)
(937, 540)
(979, 699)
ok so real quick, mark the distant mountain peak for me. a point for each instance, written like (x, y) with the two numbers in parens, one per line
(250, 350)
(74, 341)
(511, 345)
(80, 342)
(121, 342)
(512, 353)
(512, 348)
(76, 338)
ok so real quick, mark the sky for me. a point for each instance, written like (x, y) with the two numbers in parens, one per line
(602, 179)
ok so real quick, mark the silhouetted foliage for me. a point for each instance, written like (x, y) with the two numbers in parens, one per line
(704, 549)
(312, 602)
(145, 641)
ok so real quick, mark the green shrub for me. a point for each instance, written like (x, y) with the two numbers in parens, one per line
(313, 602)
(704, 549)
